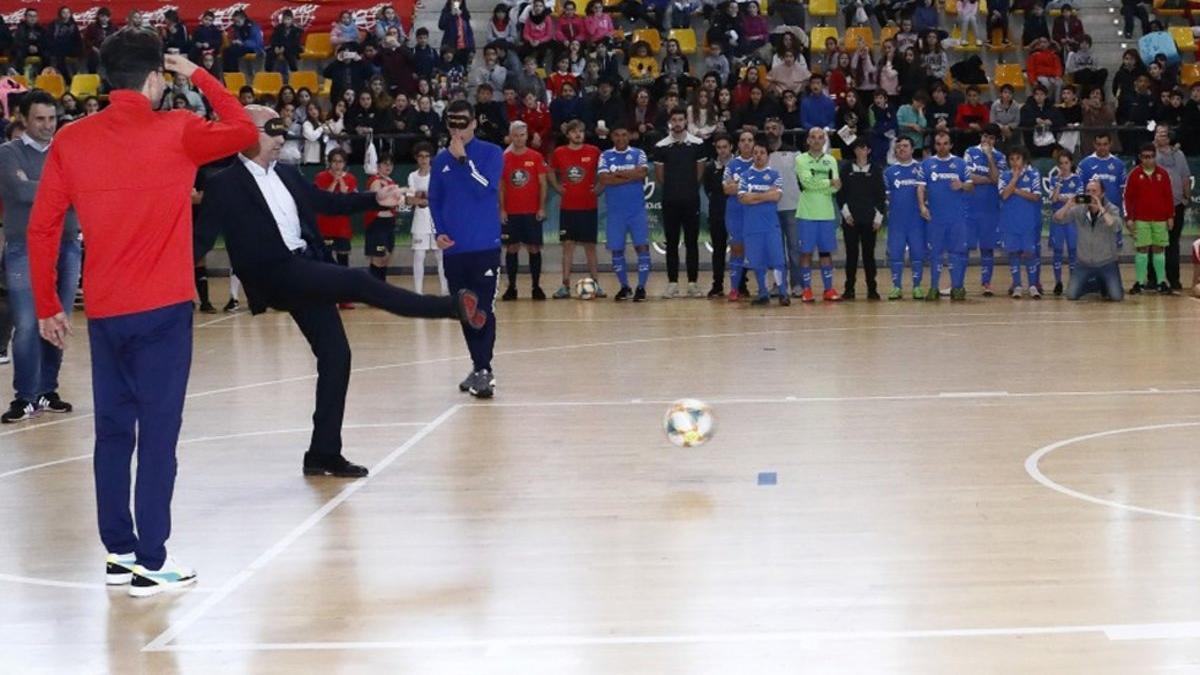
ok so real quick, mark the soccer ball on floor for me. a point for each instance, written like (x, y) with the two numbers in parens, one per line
(1196, 290)
(689, 423)
(585, 289)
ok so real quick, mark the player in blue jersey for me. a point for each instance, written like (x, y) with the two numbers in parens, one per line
(759, 190)
(733, 212)
(944, 207)
(985, 163)
(622, 175)
(1107, 168)
(1065, 185)
(1021, 216)
(906, 227)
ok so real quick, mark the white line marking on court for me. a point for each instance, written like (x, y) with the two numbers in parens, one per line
(972, 394)
(212, 322)
(1035, 472)
(1149, 631)
(225, 590)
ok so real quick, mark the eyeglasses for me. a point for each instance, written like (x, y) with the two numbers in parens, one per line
(1147, 156)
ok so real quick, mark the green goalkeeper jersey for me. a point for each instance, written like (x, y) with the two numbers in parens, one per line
(816, 175)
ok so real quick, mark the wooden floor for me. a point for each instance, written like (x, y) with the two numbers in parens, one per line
(992, 486)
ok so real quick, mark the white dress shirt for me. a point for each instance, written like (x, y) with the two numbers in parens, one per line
(279, 200)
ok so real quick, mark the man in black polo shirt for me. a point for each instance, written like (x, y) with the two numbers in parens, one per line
(679, 167)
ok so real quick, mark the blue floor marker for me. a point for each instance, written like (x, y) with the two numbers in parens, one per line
(767, 478)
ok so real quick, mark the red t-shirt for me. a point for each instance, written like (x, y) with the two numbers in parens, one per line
(335, 227)
(576, 171)
(522, 184)
(382, 181)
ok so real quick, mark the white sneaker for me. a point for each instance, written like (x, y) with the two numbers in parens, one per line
(671, 292)
(1016, 292)
(1035, 293)
(694, 290)
(171, 576)
(4, 358)
(118, 568)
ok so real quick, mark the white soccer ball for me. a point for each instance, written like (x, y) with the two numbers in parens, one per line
(689, 423)
(585, 289)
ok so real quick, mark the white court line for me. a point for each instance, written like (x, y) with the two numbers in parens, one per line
(1035, 472)
(216, 320)
(1147, 631)
(225, 590)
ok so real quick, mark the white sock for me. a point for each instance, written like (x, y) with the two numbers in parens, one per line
(235, 287)
(442, 272)
(418, 269)
(779, 278)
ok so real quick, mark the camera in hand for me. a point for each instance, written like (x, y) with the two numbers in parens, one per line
(1083, 199)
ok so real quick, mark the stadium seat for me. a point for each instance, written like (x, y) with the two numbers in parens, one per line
(234, 82)
(888, 33)
(317, 47)
(996, 42)
(51, 83)
(819, 35)
(686, 37)
(1189, 74)
(650, 37)
(853, 35)
(267, 83)
(836, 153)
(1160, 9)
(20, 79)
(971, 45)
(1184, 39)
(84, 85)
(326, 89)
(304, 79)
(1009, 73)
(823, 8)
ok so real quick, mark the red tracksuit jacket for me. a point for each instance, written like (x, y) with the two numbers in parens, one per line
(1149, 196)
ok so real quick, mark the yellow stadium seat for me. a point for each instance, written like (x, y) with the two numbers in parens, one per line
(823, 8)
(234, 82)
(819, 35)
(84, 85)
(267, 83)
(836, 153)
(971, 45)
(1161, 11)
(1008, 73)
(650, 37)
(1189, 74)
(762, 7)
(853, 35)
(51, 83)
(1184, 39)
(19, 79)
(304, 79)
(952, 7)
(888, 33)
(326, 89)
(686, 37)
(996, 42)
(317, 47)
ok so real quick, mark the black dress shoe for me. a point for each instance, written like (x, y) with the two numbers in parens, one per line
(336, 466)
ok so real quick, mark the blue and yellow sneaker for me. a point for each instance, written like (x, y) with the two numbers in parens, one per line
(170, 576)
(118, 568)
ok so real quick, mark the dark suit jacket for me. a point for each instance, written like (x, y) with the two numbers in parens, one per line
(234, 206)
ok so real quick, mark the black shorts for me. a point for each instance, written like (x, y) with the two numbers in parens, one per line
(380, 237)
(521, 229)
(337, 244)
(580, 227)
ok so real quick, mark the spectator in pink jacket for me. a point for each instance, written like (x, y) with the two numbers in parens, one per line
(598, 24)
(538, 33)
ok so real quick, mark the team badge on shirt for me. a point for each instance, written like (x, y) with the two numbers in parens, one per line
(520, 177)
(575, 173)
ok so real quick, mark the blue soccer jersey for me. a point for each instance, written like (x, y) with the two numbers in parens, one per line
(1016, 211)
(733, 208)
(946, 205)
(761, 217)
(902, 181)
(984, 200)
(1110, 171)
(1067, 188)
(626, 197)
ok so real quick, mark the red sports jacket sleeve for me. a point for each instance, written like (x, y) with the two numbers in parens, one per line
(233, 132)
(44, 236)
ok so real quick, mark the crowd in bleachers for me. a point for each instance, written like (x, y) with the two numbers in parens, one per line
(893, 68)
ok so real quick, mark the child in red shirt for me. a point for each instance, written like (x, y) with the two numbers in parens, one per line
(336, 229)
(380, 237)
(536, 116)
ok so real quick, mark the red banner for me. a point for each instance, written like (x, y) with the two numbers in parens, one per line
(317, 16)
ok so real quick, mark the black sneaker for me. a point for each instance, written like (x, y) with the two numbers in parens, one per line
(19, 411)
(231, 306)
(639, 295)
(336, 466)
(465, 385)
(1058, 288)
(873, 295)
(1165, 289)
(761, 300)
(1135, 289)
(717, 291)
(848, 294)
(538, 293)
(207, 308)
(52, 403)
(624, 294)
(784, 300)
(510, 294)
(483, 384)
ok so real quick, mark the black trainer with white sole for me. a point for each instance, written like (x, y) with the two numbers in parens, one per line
(51, 402)
(118, 568)
(483, 384)
(19, 411)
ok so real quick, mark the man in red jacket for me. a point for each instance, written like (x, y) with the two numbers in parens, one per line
(128, 173)
(1149, 214)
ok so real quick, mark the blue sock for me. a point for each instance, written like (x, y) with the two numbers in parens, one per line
(805, 277)
(1033, 268)
(1056, 264)
(897, 272)
(737, 267)
(827, 275)
(935, 273)
(987, 262)
(918, 271)
(1014, 266)
(761, 276)
(958, 270)
(618, 267)
(1071, 260)
(643, 259)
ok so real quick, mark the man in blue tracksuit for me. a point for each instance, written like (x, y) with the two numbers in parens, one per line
(464, 199)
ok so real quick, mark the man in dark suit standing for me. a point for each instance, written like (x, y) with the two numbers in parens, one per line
(266, 212)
